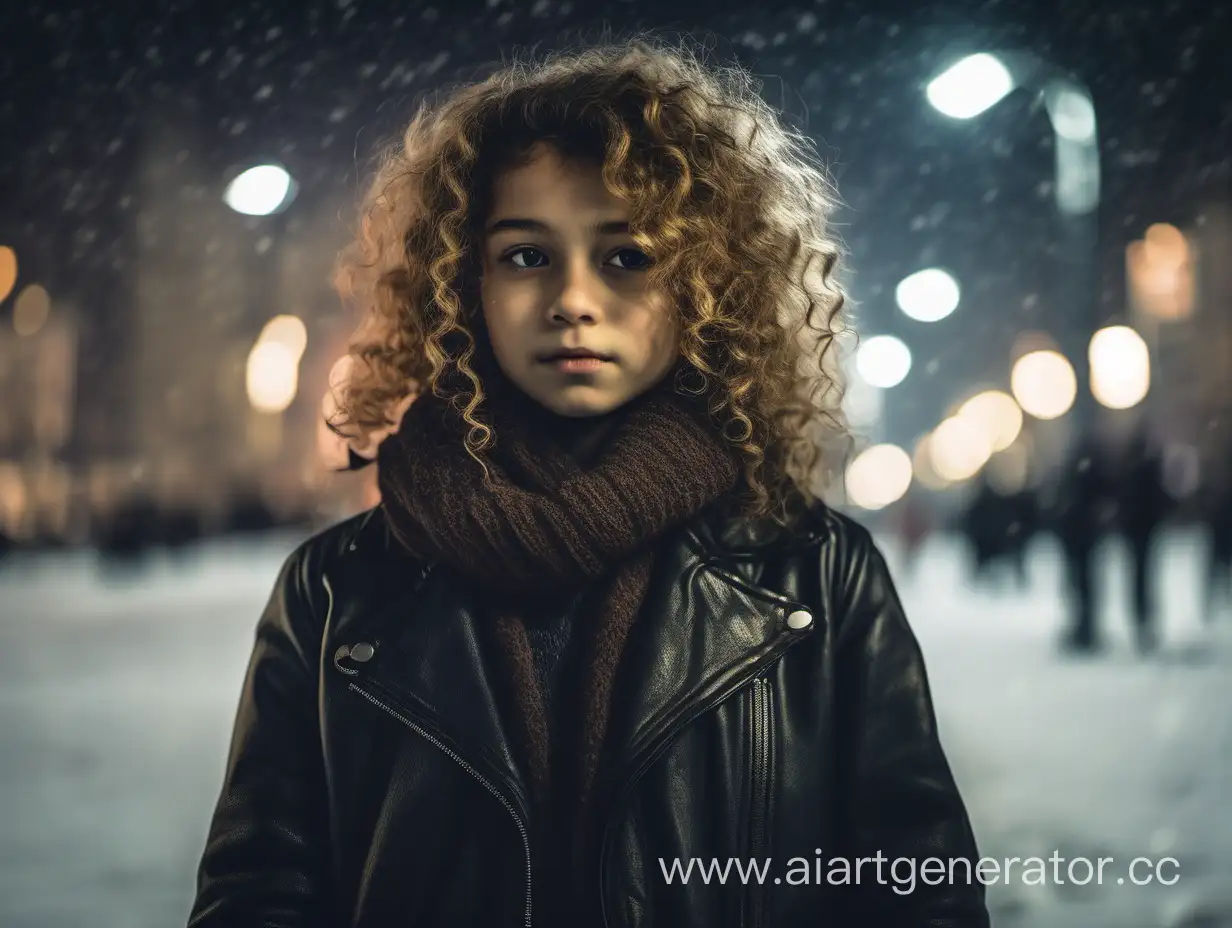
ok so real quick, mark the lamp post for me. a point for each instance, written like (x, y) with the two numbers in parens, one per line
(972, 85)
(264, 190)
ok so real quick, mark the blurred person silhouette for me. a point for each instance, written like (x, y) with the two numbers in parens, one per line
(129, 531)
(998, 527)
(1023, 507)
(1077, 519)
(914, 527)
(982, 523)
(1142, 504)
(1219, 551)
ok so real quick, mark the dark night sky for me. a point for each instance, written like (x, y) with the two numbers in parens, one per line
(319, 84)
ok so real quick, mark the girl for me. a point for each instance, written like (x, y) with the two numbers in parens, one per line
(600, 636)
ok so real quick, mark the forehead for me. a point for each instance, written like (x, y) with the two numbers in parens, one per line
(549, 186)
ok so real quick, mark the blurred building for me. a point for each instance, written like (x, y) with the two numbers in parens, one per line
(1180, 295)
(147, 394)
(207, 282)
(38, 373)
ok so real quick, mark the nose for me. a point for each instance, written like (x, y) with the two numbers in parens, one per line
(580, 300)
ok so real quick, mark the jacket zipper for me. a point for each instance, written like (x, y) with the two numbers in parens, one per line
(449, 752)
(762, 732)
(661, 746)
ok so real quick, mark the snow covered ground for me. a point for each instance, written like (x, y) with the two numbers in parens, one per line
(117, 694)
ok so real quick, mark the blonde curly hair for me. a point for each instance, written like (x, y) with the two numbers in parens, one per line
(731, 204)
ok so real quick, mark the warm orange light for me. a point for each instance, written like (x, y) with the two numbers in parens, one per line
(1160, 273)
(8, 271)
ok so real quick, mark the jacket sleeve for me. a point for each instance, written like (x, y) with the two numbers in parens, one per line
(897, 795)
(265, 858)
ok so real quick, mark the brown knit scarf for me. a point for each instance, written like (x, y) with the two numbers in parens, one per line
(548, 525)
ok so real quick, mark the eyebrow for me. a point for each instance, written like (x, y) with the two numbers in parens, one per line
(616, 227)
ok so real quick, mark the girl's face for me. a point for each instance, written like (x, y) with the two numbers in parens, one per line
(560, 271)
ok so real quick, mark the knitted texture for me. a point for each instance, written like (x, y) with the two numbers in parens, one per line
(546, 525)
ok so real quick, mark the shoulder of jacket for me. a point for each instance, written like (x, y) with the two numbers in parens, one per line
(817, 529)
(335, 543)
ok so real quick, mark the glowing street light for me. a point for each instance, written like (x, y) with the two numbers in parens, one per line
(922, 464)
(883, 361)
(970, 86)
(1160, 273)
(287, 330)
(273, 376)
(261, 190)
(996, 415)
(1044, 383)
(879, 476)
(1120, 367)
(977, 82)
(928, 295)
(959, 448)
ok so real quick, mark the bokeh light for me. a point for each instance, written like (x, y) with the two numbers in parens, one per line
(8, 271)
(959, 448)
(969, 87)
(1166, 245)
(879, 476)
(922, 465)
(31, 310)
(260, 191)
(287, 330)
(1073, 116)
(1120, 367)
(928, 295)
(883, 361)
(996, 414)
(1044, 384)
(273, 376)
(1160, 272)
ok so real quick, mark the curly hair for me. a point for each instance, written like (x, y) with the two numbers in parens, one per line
(732, 205)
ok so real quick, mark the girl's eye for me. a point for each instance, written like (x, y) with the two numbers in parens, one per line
(632, 259)
(523, 251)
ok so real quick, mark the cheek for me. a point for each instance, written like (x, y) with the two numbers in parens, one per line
(657, 330)
(495, 311)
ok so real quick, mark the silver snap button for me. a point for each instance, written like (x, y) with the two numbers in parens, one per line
(801, 618)
(362, 652)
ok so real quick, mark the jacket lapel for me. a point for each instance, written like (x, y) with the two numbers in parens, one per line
(703, 633)
(706, 627)
(429, 660)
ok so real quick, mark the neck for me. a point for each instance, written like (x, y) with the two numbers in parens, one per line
(582, 438)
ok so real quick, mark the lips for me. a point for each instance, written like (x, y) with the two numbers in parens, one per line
(574, 353)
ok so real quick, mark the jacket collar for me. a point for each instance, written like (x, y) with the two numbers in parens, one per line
(708, 626)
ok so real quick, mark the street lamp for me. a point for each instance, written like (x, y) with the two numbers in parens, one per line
(261, 190)
(264, 191)
(978, 82)
(972, 85)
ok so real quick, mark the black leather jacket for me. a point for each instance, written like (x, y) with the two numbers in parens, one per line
(772, 703)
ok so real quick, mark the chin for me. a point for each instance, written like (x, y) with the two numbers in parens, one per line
(579, 407)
